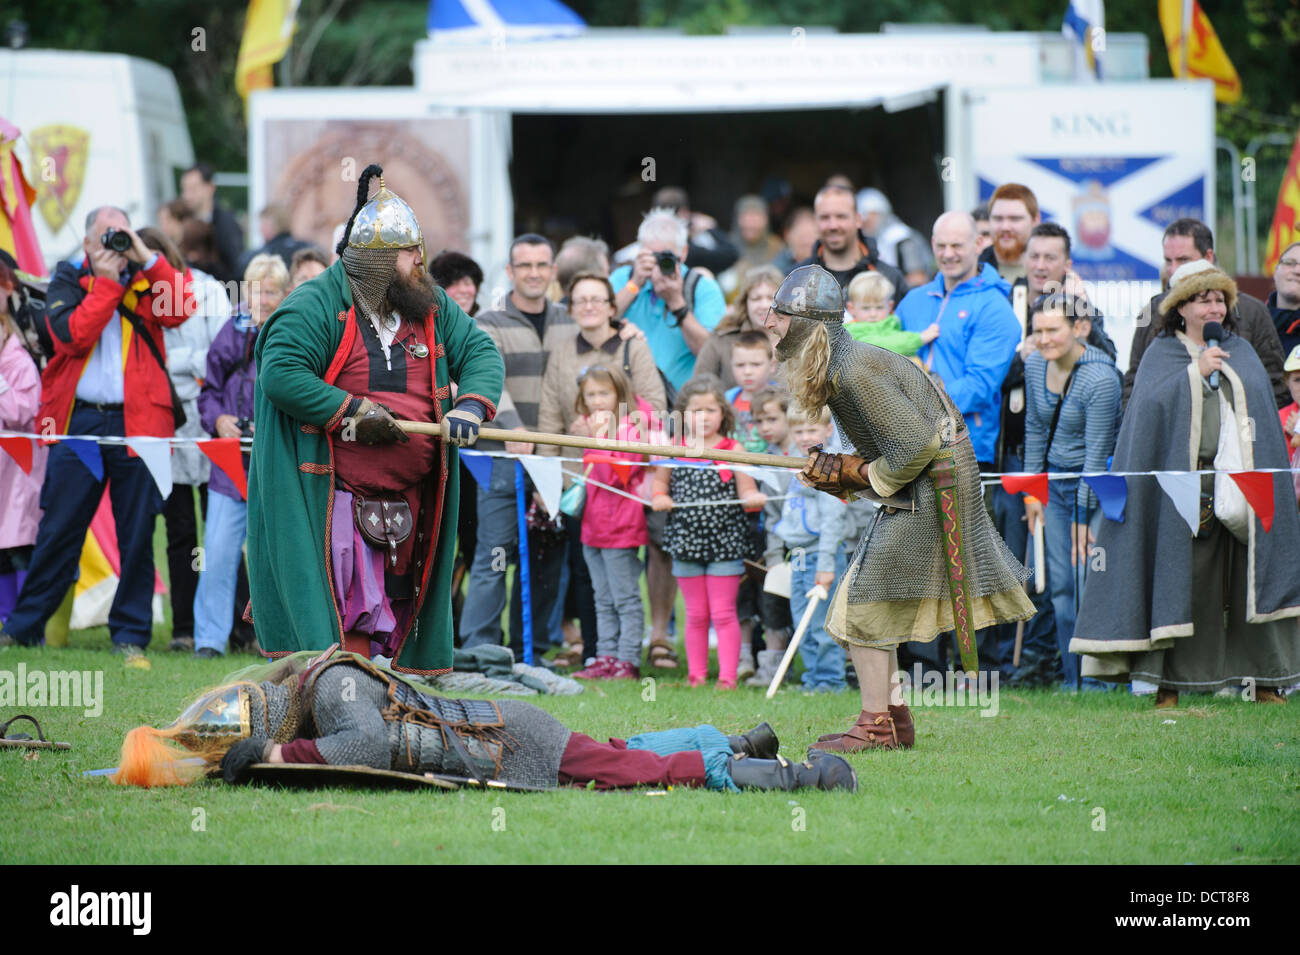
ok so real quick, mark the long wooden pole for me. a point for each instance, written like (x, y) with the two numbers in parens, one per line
(606, 444)
(901, 501)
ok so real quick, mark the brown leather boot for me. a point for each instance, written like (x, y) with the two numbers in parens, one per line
(829, 736)
(1166, 698)
(871, 731)
(903, 726)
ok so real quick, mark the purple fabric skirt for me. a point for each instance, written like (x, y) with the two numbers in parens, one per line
(359, 578)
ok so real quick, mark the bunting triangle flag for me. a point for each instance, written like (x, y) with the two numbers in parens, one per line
(479, 466)
(1112, 494)
(87, 451)
(1257, 486)
(156, 453)
(226, 454)
(547, 478)
(1034, 485)
(20, 449)
(1184, 490)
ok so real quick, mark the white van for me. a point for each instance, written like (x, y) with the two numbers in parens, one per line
(97, 129)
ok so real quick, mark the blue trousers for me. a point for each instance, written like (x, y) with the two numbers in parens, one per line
(69, 498)
(1040, 630)
(497, 547)
(223, 549)
(823, 658)
(1064, 581)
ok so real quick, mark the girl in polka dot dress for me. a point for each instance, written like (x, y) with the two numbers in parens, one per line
(708, 544)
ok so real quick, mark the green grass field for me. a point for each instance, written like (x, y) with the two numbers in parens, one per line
(1096, 778)
(1036, 783)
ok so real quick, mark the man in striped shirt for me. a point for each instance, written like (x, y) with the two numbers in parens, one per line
(524, 330)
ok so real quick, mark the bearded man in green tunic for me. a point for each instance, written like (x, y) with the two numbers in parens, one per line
(352, 522)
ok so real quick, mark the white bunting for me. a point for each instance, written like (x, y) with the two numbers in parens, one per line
(1184, 489)
(547, 477)
(157, 456)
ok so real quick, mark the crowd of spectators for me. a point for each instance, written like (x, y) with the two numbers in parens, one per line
(601, 344)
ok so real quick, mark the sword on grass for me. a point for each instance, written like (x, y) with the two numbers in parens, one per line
(677, 451)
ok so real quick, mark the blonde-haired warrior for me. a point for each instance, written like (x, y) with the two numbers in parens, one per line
(910, 446)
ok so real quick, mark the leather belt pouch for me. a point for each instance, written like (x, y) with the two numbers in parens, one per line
(383, 524)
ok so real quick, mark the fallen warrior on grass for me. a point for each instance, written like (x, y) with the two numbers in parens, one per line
(339, 710)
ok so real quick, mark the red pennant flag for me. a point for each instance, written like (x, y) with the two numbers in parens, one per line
(1033, 484)
(226, 455)
(20, 449)
(1257, 486)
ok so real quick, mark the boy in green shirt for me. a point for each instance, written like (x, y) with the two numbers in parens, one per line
(870, 304)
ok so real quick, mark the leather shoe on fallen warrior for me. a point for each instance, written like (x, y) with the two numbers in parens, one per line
(871, 731)
(825, 772)
(758, 743)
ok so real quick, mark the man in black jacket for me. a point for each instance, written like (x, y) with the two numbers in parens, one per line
(842, 248)
(1186, 240)
(1284, 302)
(199, 192)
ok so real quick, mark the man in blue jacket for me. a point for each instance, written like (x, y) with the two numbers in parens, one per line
(978, 334)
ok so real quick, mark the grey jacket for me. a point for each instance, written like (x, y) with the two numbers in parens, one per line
(187, 363)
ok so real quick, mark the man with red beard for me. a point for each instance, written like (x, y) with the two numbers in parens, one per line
(842, 248)
(351, 522)
(1013, 213)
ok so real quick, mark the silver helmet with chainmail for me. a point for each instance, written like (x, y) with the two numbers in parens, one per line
(380, 226)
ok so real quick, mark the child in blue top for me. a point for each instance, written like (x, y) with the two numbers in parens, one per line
(813, 528)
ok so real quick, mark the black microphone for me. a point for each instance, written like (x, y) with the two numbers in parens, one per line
(1213, 334)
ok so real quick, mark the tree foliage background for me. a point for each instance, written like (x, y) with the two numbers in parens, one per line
(355, 43)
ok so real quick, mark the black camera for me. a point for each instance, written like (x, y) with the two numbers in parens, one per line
(667, 262)
(117, 240)
(245, 426)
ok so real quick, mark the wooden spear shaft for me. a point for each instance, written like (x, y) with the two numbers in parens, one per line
(605, 444)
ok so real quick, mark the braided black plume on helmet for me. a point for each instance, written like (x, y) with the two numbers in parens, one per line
(363, 194)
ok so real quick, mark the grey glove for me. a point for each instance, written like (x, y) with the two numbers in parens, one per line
(463, 422)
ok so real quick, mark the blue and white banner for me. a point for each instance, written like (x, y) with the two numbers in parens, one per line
(498, 21)
(1113, 163)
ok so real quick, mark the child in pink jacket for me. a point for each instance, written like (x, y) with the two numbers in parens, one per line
(20, 492)
(613, 526)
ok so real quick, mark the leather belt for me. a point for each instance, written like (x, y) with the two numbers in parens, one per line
(99, 406)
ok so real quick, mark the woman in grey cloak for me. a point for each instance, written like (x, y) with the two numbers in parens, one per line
(1201, 611)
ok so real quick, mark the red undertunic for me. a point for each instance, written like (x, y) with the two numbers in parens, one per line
(404, 384)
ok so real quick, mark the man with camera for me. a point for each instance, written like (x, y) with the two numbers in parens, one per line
(675, 308)
(108, 377)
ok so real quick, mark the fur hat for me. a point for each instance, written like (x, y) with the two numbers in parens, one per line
(1193, 278)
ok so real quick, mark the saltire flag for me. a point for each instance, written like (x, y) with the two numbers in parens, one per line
(1286, 215)
(1085, 26)
(268, 31)
(497, 21)
(1195, 42)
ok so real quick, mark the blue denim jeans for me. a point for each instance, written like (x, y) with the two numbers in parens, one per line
(496, 549)
(823, 658)
(1064, 581)
(1039, 640)
(223, 549)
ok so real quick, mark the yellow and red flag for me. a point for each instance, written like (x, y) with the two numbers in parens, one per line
(17, 233)
(1286, 214)
(1203, 57)
(268, 31)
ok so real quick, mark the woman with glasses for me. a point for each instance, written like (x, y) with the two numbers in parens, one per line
(598, 339)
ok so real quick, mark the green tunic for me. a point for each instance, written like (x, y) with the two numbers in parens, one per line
(300, 351)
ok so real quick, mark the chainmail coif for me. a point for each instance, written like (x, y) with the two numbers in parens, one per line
(369, 272)
(888, 407)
